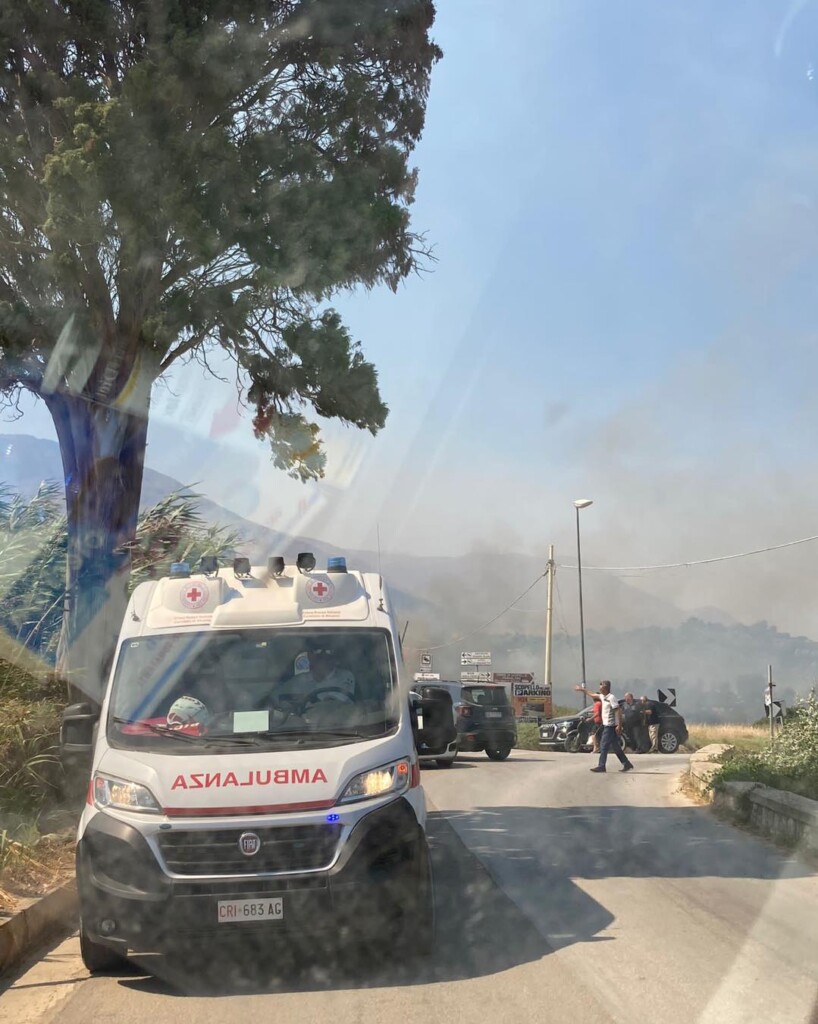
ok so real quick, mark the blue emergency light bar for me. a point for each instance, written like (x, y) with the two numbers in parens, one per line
(179, 570)
(336, 565)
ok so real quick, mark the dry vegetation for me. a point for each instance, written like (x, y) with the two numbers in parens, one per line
(32, 865)
(742, 737)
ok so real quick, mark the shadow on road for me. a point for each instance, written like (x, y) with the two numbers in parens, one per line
(612, 841)
(536, 854)
(480, 932)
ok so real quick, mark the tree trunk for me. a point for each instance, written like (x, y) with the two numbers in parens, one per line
(103, 452)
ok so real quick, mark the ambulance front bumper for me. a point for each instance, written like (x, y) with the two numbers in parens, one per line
(128, 902)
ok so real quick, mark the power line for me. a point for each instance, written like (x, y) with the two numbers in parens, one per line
(611, 568)
(479, 629)
(699, 561)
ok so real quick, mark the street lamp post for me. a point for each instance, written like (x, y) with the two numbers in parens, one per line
(581, 503)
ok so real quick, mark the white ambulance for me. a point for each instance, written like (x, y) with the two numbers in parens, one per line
(254, 766)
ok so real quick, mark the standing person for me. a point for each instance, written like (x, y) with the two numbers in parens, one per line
(650, 709)
(611, 726)
(596, 730)
(636, 735)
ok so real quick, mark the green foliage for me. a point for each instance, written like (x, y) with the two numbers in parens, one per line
(33, 545)
(790, 763)
(528, 735)
(176, 178)
(30, 772)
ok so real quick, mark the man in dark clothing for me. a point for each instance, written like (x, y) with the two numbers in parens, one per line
(636, 733)
(651, 712)
(611, 726)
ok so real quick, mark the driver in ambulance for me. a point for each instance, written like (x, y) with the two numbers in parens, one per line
(324, 674)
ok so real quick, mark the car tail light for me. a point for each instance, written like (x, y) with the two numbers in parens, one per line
(464, 710)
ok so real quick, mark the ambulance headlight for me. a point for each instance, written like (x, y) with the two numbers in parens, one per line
(391, 778)
(124, 796)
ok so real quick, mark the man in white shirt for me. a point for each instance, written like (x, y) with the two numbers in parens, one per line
(611, 726)
(323, 674)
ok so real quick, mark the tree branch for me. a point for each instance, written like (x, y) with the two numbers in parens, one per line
(182, 348)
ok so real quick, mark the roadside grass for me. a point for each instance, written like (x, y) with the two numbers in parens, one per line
(528, 733)
(790, 763)
(32, 864)
(36, 834)
(751, 738)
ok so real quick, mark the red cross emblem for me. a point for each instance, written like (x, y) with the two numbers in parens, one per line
(320, 591)
(194, 597)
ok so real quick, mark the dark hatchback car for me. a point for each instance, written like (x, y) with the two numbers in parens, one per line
(572, 732)
(484, 718)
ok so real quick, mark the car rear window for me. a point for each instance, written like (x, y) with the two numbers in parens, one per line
(485, 695)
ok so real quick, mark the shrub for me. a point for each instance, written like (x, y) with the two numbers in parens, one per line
(790, 763)
(30, 773)
(528, 736)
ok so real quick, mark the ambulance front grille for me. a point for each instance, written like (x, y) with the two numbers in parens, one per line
(217, 851)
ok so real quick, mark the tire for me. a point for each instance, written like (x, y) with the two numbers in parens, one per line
(668, 742)
(497, 753)
(444, 762)
(417, 931)
(98, 958)
(572, 744)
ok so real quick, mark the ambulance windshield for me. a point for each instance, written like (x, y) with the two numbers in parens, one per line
(254, 687)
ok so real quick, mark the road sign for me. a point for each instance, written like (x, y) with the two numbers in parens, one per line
(778, 710)
(668, 698)
(510, 678)
(475, 658)
(475, 677)
(426, 676)
(530, 690)
(426, 662)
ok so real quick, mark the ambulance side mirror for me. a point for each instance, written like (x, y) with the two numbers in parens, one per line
(77, 731)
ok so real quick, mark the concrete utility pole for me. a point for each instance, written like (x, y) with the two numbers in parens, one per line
(551, 570)
(581, 503)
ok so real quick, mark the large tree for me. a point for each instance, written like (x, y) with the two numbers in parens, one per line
(179, 176)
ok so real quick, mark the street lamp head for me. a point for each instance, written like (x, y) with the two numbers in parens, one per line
(583, 503)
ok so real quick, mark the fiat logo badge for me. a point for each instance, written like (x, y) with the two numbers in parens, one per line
(249, 844)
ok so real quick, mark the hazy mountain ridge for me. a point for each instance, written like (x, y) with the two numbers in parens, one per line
(632, 637)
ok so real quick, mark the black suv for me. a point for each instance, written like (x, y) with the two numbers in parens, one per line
(484, 718)
(573, 732)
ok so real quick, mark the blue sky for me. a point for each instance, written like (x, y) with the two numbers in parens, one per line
(622, 199)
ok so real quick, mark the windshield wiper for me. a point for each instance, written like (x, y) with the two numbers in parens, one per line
(307, 734)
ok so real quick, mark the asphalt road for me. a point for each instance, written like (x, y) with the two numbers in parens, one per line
(562, 895)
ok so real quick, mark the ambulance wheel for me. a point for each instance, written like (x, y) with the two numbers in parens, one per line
(98, 958)
(418, 922)
(421, 932)
(498, 753)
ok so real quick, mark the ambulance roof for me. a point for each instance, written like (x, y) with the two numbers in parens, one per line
(229, 599)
